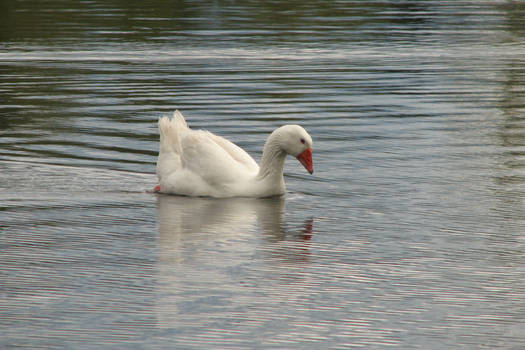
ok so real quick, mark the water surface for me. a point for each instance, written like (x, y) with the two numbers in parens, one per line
(408, 235)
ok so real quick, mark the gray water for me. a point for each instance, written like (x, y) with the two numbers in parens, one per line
(410, 233)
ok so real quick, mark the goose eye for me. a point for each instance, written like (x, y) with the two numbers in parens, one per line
(303, 141)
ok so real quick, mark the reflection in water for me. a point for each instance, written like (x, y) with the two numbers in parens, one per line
(205, 243)
(180, 215)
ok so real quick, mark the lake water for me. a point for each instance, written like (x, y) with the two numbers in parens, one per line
(410, 234)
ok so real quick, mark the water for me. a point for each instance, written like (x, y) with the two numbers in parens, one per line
(408, 235)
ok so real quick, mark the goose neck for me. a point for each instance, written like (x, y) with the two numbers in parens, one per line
(272, 163)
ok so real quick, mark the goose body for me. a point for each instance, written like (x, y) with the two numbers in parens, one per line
(200, 163)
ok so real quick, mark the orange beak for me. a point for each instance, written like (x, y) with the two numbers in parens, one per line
(306, 160)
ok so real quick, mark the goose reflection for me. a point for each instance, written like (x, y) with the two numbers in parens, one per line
(216, 252)
(180, 216)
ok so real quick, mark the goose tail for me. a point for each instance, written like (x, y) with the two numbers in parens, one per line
(171, 130)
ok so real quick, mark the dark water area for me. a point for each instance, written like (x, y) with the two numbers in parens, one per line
(408, 235)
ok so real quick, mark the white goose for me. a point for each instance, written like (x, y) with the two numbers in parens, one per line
(199, 163)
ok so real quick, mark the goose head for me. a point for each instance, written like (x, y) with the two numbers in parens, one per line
(294, 140)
